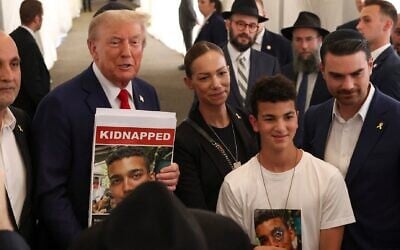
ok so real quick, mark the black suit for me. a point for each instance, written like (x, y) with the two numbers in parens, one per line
(187, 20)
(373, 176)
(21, 134)
(213, 31)
(386, 73)
(35, 78)
(277, 46)
(202, 166)
(261, 64)
(319, 95)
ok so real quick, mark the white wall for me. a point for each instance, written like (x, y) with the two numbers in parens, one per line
(57, 21)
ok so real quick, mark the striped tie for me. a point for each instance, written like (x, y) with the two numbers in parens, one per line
(241, 76)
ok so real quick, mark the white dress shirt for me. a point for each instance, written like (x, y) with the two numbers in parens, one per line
(343, 135)
(111, 90)
(12, 163)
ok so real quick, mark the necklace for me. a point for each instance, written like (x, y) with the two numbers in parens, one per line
(291, 181)
(235, 157)
(278, 234)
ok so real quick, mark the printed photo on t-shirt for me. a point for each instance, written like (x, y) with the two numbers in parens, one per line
(278, 228)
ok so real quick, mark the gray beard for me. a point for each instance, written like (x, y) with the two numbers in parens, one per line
(308, 65)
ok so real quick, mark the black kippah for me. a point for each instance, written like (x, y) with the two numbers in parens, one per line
(342, 34)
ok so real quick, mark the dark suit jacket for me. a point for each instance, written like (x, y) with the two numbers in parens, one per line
(12, 241)
(35, 78)
(373, 177)
(320, 94)
(277, 46)
(187, 15)
(22, 136)
(202, 166)
(261, 64)
(63, 137)
(213, 31)
(386, 73)
(349, 25)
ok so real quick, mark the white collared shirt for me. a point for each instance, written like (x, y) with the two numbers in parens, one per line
(258, 43)
(111, 90)
(233, 53)
(343, 135)
(311, 79)
(379, 51)
(12, 163)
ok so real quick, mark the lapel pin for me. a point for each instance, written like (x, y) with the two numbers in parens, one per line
(269, 47)
(20, 129)
(238, 116)
(141, 98)
(374, 66)
(380, 126)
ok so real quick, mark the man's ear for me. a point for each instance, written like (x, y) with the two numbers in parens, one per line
(228, 24)
(253, 122)
(92, 48)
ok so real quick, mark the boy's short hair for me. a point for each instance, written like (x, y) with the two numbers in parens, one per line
(276, 88)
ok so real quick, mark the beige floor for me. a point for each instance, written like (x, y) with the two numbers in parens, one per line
(159, 65)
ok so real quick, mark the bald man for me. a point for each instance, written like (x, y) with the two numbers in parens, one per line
(14, 153)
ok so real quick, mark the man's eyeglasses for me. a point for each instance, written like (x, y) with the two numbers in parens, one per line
(242, 26)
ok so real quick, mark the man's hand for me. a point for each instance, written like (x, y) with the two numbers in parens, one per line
(169, 176)
(5, 223)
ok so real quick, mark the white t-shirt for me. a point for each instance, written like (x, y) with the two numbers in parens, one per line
(318, 191)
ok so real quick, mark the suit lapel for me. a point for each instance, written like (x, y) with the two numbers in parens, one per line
(369, 136)
(96, 97)
(138, 97)
(234, 87)
(322, 130)
(21, 140)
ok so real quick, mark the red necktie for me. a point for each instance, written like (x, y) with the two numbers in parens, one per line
(123, 96)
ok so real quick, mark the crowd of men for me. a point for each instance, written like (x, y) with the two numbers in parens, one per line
(328, 123)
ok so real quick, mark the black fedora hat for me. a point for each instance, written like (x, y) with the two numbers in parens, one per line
(244, 7)
(305, 20)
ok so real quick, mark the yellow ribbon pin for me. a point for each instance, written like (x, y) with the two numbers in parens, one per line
(20, 129)
(380, 126)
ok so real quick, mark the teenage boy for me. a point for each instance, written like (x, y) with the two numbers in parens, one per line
(284, 179)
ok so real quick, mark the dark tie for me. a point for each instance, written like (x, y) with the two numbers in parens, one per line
(123, 96)
(302, 95)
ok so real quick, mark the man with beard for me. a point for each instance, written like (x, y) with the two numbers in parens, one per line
(246, 65)
(306, 35)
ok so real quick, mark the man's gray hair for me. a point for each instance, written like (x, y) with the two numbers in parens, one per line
(118, 16)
